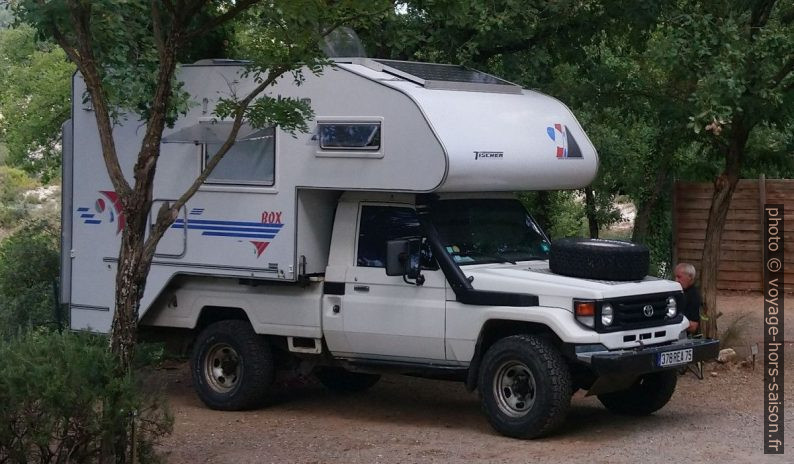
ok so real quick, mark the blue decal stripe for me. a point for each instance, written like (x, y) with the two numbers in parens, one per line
(86, 215)
(93, 221)
(229, 223)
(82, 209)
(227, 229)
(233, 234)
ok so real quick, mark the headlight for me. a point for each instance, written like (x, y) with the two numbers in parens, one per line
(607, 315)
(672, 307)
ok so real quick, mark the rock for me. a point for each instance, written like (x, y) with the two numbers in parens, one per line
(726, 355)
(713, 374)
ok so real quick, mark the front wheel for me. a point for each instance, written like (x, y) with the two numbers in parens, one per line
(232, 366)
(525, 386)
(647, 395)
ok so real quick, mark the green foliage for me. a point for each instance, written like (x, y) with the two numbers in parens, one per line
(660, 240)
(34, 100)
(61, 401)
(14, 205)
(290, 114)
(13, 183)
(563, 211)
(29, 265)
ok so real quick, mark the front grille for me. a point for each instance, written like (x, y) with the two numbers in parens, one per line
(629, 312)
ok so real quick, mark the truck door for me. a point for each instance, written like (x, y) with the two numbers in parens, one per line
(383, 316)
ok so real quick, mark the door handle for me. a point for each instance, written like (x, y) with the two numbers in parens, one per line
(361, 288)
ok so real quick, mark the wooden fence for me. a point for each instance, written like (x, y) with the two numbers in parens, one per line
(742, 255)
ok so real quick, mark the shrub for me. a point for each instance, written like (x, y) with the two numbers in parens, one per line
(28, 267)
(13, 204)
(60, 401)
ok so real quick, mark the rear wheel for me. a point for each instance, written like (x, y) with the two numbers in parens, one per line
(525, 386)
(232, 366)
(647, 395)
(343, 381)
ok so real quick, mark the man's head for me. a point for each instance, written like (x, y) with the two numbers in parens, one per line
(685, 275)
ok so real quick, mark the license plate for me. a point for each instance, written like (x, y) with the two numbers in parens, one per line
(673, 358)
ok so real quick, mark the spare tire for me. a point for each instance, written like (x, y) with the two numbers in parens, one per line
(592, 258)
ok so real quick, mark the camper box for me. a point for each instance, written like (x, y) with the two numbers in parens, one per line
(267, 209)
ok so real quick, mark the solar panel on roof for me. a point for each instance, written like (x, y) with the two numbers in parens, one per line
(443, 72)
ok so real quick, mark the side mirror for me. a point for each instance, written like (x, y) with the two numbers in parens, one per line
(403, 258)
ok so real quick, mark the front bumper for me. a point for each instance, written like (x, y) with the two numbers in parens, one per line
(643, 360)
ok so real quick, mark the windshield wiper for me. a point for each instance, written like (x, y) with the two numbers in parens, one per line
(500, 258)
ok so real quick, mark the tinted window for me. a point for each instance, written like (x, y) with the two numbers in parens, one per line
(349, 136)
(380, 224)
(247, 162)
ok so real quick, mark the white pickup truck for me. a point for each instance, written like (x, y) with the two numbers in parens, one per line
(386, 240)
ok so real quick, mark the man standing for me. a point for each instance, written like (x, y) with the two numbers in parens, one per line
(685, 275)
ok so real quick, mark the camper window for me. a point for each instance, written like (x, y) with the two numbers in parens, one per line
(249, 162)
(350, 136)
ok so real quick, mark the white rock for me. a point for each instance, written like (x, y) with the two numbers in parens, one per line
(726, 355)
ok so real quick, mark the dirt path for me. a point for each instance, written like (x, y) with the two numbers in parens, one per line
(404, 420)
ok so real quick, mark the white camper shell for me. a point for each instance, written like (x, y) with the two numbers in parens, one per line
(267, 255)
(267, 210)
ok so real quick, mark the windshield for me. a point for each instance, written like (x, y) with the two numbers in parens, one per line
(488, 231)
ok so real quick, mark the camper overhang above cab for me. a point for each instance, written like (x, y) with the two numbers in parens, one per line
(496, 136)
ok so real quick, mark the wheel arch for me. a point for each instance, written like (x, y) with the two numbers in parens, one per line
(211, 314)
(497, 329)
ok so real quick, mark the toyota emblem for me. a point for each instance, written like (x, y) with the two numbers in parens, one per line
(647, 310)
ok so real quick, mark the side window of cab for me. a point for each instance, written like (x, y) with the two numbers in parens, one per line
(378, 224)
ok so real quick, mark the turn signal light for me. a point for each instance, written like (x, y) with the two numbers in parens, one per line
(584, 308)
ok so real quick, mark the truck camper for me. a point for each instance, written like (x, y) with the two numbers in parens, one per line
(386, 239)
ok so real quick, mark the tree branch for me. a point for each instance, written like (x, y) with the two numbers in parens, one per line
(759, 15)
(784, 72)
(238, 8)
(82, 55)
(157, 28)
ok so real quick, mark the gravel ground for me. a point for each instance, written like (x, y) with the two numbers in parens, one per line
(405, 420)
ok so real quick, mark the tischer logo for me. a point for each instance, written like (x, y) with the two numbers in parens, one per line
(488, 154)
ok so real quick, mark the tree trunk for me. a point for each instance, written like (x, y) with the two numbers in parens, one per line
(724, 186)
(133, 266)
(645, 209)
(590, 212)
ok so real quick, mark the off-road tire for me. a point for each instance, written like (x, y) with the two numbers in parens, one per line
(647, 395)
(254, 368)
(339, 380)
(599, 259)
(550, 397)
